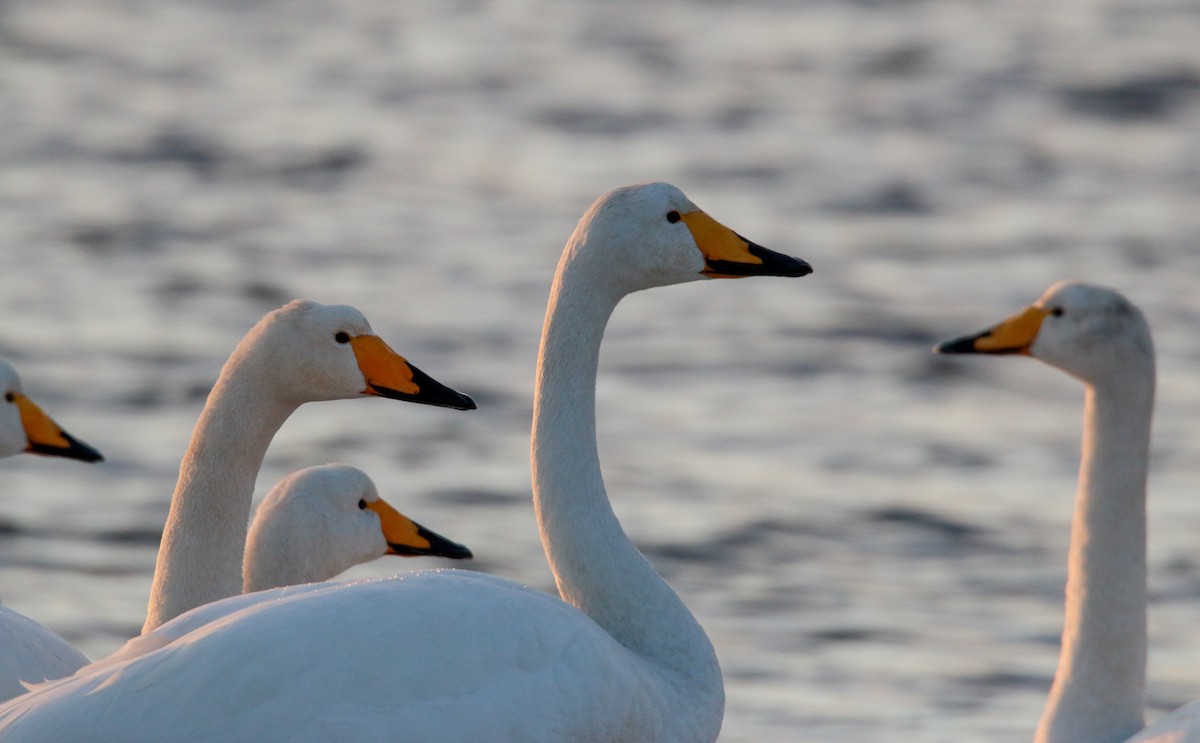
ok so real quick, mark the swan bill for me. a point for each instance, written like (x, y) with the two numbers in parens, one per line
(728, 255)
(389, 375)
(47, 438)
(1013, 336)
(407, 538)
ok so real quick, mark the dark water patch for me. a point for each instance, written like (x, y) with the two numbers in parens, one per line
(150, 395)
(882, 327)
(1141, 254)
(899, 198)
(179, 287)
(761, 174)
(1006, 680)
(1142, 98)
(736, 117)
(937, 369)
(672, 372)
(193, 151)
(197, 391)
(77, 568)
(648, 52)
(142, 398)
(917, 533)
(603, 122)
(756, 538)
(794, 368)
(953, 455)
(903, 60)
(323, 169)
(134, 236)
(832, 635)
(266, 294)
(745, 673)
(131, 536)
(924, 521)
(478, 497)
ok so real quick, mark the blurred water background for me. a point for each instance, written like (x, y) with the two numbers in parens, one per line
(874, 538)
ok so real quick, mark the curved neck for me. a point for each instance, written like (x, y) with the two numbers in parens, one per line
(1098, 690)
(596, 566)
(200, 557)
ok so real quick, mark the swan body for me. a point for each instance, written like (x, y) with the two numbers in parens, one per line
(321, 521)
(302, 352)
(29, 651)
(1096, 335)
(455, 656)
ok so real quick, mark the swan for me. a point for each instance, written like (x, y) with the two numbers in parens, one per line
(1096, 335)
(29, 651)
(314, 524)
(452, 655)
(321, 521)
(301, 352)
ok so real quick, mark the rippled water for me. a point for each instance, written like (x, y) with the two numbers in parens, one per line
(874, 537)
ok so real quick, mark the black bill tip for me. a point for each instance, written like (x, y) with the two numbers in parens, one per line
(773, 264)
(439, 546)
(75, 449)
(965, 344)
(431, 392)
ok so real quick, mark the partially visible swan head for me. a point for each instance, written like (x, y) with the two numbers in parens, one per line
(25, 428)
(651, 234)
(308, 351)
(320, 521)
(1091, 332)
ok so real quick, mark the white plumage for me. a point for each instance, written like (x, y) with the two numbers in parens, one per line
(29, 651)
(1096, 335)
(318, 522)
(302, 352)
(448, 655)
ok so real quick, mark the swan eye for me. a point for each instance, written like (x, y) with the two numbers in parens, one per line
(362, 504)
(673, 216)
(1058, 312)
(342, 337)
(10, 397)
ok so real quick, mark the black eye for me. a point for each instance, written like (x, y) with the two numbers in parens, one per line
(673, 216)
(342, 337)
(1058, 312)
(10, 397)
(362, 504)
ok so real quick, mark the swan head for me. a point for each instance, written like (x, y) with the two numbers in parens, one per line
(320, 521)
(1091, 332)
(651, 234)
(309, 351)
(25, 428)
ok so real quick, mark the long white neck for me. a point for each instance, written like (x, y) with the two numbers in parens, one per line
(596, 566)
(1098, 690)
(200, 558)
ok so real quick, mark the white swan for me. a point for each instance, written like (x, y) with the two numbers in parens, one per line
(314, 524)
(302, 352)
(1096, 335)
(319, 522)
(29, 651)
(455, 656)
